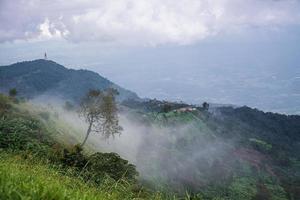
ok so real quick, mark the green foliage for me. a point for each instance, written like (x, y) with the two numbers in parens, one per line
(73, 157)
(253, 144)
(99, 109)
(26, 135)
(23, 134)
(31, 179)
(38, 77)
(20, 179)
(262, 192)
(13, 92)
(112, 165)
(276, 192)
(153, 105)
(242, 188)
(99, 166)
(260, 145)
(262, 150)
(5, 104)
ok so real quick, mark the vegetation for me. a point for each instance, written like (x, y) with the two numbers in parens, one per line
(100, 112)
(153, 105)
(248, 155)
(223, 153)
(23, 179)
(13, 92)
(40, 77)
(35, 166)
(5, 104)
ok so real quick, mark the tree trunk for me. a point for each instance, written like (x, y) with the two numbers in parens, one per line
(87, 134)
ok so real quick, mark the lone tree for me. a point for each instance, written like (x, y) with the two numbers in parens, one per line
(13, 92)
(100, 111)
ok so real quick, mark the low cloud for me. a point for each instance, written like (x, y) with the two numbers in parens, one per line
(140, 22)
(179, 155)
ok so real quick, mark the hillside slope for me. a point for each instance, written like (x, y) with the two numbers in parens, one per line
(45, 77)
(37, 163)
(224, 153)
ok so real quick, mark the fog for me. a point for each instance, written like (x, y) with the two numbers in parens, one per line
(176, 155)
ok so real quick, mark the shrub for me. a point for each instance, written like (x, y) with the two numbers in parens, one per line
(101, 165)
(4, 104)
(98, 166)
(13, 92)
(23, 134)
(73, 157)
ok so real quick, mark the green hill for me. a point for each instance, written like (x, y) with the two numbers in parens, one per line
(45, 77)
(39, 161)
(224, 153)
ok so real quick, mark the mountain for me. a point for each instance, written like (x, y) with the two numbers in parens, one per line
(220, 152)
(46, 77)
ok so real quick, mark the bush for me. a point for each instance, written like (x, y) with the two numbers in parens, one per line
(101, 165)
(13, 92)
(98, 166)
(4, 104)
(73, 157)
(23, 134)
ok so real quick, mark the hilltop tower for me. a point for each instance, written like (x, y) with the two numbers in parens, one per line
(45, 56)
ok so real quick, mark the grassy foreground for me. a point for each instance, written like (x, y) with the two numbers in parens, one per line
(20, 179)
(24, 179)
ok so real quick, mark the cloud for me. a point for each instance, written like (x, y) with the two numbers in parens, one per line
(142, 22)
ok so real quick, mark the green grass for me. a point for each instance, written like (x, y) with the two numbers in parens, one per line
(30, 179)
(21, 179)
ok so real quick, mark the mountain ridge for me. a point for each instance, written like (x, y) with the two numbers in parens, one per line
(40, 77)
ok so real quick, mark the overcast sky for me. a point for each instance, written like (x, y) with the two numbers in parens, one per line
(222, 51)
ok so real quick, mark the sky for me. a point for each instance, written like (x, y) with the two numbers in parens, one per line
(241, 52)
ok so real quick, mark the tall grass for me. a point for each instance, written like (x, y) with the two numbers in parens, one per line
(29, 179)
(21, 179)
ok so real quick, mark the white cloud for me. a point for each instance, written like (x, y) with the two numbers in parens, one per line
(48, 30)
(143, 22)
